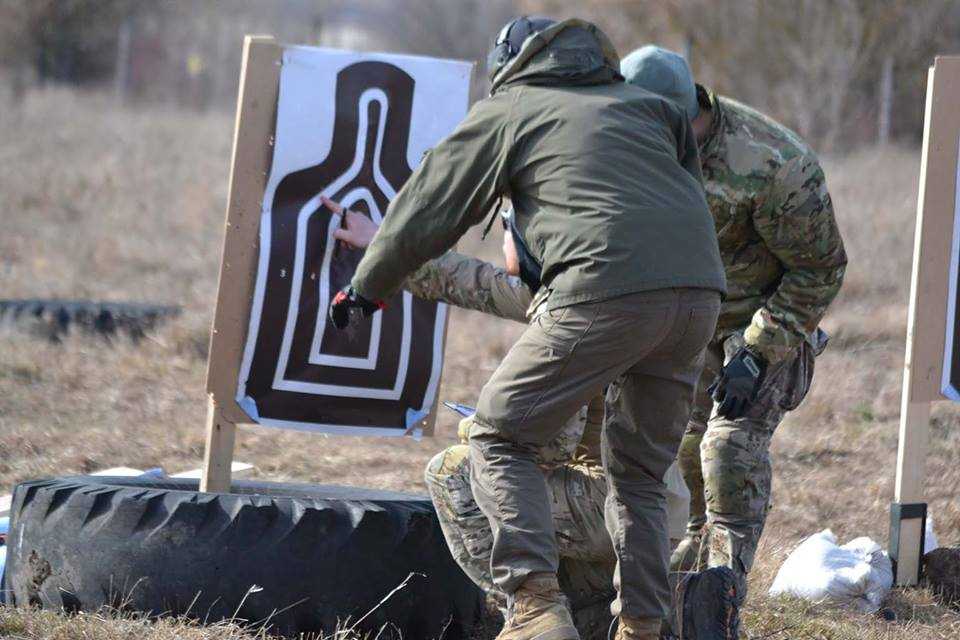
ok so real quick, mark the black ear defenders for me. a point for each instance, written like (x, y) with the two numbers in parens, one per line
(510, 40)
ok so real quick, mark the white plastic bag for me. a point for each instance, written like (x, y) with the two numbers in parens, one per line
(857, 574)
(930, 542)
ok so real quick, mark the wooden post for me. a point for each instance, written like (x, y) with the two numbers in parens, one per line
(908, 516)
(218, 455)
(252, 153)
(927, 315)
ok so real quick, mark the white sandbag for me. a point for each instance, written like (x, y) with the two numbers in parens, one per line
(858, 574)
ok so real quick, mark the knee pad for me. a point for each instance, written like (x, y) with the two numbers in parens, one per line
(688, 456)
(446, 463)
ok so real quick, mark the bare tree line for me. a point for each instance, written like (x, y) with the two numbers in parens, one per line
(841, 72)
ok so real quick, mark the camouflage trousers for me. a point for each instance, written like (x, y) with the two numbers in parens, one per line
(726, 463)
(577, 496)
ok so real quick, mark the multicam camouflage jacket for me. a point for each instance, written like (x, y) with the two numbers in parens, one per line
(470, 283)
(781, 248)
(473, 284)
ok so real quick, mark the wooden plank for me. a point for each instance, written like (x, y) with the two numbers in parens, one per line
(237, 470)
(911, 456)
(927, 314)
(908, 559)
(218, 454)
(934, 233)
(250, 168)
(912, 451)
(121, 472)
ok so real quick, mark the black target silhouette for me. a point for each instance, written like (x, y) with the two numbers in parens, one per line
(307, 372)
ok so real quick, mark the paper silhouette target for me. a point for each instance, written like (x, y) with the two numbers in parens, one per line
(351, 127)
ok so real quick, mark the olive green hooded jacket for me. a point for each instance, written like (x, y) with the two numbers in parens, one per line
(604, 178)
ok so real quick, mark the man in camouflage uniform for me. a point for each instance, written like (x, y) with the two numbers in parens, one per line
(571, 462)
(784, 261)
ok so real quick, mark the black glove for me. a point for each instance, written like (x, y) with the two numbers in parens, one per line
(348, 299)
(738, 383)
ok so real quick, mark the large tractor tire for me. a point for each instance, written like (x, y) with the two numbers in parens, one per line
(299, 558)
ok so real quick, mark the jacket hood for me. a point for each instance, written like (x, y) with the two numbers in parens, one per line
(570, 52)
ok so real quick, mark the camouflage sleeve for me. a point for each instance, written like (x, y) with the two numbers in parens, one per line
(797, 225)
(471, 284)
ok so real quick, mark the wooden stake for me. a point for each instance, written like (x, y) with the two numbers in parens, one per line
(908, 518)
(218, 456)
(252, 153)
(927, 314)
(912, 452)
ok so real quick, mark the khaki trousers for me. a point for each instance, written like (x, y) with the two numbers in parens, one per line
(648, 347)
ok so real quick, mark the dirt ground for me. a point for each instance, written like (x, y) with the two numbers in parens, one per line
(104, 203)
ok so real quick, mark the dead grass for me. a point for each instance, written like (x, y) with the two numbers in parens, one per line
(21, 624)
(102, 203)
(35, 624)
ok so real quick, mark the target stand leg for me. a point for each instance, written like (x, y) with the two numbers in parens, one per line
(908, 513)
(218, 456)
(908, 524)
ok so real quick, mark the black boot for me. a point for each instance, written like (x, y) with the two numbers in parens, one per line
(710, 605)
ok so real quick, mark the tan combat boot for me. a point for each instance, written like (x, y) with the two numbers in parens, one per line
(539, 612)
(638, 628)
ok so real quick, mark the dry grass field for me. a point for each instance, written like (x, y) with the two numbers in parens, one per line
(103, 203)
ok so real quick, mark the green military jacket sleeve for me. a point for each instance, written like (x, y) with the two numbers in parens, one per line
(688, 151)
(797, 224)
(455, 186)
(592, 167)
(472, 284)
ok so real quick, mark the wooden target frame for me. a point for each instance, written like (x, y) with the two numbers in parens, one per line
(249, 170)
(253, 153)
(931, 347)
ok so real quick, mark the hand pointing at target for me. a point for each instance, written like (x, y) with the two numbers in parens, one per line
(357, 234)
(357, 230)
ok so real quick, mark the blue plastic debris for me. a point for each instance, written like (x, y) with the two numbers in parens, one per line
(462, 409)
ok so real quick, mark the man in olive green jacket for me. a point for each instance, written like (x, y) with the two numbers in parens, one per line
(605, 182)
(571, 462)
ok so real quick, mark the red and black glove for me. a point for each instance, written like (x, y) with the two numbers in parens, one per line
(345, 301)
